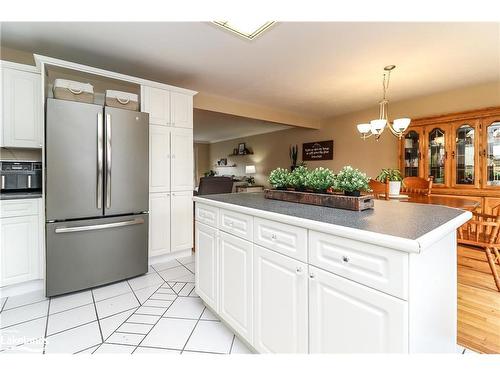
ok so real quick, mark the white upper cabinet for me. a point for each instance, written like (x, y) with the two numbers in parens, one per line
(22, 107)
(207, 264)
(157, 104)
(182, 220)
(181, 110)
(280, 303)
(159, 159)
(346, 317)
(236, 291)
(159, 224)
(182, 159)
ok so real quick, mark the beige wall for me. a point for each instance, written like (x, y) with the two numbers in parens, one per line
(17, 56)
(271, 150)
(202, 160)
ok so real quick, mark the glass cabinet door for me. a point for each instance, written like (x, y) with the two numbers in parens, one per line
(411, 153)
(436, 154)
(493, 154)
(464, 158)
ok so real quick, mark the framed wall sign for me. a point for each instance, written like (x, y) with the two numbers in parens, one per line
(322, 150)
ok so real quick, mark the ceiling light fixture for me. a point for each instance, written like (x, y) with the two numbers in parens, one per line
(376, 127)
(245, 28)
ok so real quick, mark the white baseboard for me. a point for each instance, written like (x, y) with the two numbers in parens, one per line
(171, 256)
(22, 288)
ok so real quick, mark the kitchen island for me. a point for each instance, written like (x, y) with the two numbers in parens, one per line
(294, 278)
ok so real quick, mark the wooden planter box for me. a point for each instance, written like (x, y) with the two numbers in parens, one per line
(343, 202)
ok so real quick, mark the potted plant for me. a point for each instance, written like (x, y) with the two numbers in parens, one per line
(294, 153)
(351, 181)
(393, 177)
(279, 178)
(320, 179)
(297, 178)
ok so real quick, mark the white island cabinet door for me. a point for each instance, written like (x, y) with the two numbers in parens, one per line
(157, 104)
(347, 317)
(20, 249)
(182, 110)
(182, 220)
(159, 224)
(22, 109)
(159, 158)
(236, 291)
(207, 264)
(182, 159)
(280, 303)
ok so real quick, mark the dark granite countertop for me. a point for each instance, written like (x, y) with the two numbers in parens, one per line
(31, 195)
(394, 218)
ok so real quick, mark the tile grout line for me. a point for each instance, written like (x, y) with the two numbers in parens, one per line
(3, 304)
(135, 295)
(26, 304)
(90, 347)
(46, 327)
(232, 343)
(153, 325)
(97, 316)
(191, 334)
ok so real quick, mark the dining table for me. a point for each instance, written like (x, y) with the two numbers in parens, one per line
(441, 200)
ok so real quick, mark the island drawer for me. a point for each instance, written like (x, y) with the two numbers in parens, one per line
(282, 238)
(19, 207)
(206, 214)
(237, 224)
(379, 268)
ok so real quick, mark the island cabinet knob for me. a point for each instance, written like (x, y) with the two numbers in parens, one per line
(312, 275)
(299, 269)
(345, 259)
(230, 223)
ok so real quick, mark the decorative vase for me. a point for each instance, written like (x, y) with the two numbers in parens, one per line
(355, 193)
(394, 188)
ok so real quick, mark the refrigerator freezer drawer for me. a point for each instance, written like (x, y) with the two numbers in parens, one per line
(88, 253)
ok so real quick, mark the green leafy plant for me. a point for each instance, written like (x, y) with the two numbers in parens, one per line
(389, 174)
(210, 173)
(297, 178)
(320, 179)
(294, 152)
(351, 180)
(279, 178)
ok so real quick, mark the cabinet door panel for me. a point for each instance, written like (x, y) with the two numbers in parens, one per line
(159, 224)
(157, 104)
(465, 154)
(207, 265)
(22, 112)
(182, 110)
(236, 290)
(491, 153)
(182, 220)
(20, 249)
(280, 303)
(159, 158)
(346, 317)
(182, 159)
(437, 144)
(411, 153)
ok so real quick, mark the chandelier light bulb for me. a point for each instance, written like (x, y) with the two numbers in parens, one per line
(401, 124)
(364, 128)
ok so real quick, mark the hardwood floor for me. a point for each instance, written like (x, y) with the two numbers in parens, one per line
(478, 303)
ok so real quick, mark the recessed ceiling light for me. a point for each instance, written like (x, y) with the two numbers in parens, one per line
(246, 28)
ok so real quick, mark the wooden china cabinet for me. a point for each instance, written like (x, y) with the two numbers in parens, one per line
(460, 150)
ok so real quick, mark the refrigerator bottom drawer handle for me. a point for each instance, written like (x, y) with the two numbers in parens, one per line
(100, 226)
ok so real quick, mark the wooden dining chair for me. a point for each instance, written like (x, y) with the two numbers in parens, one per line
(379, 189)
(417, 185)
(483, 231)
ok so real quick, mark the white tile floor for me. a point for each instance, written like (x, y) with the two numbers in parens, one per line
(158, 312)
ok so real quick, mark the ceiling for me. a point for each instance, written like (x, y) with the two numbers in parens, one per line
(211, 127)
(316, 69)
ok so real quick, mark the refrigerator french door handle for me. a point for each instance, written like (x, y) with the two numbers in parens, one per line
(3, 182)
(100, 152)
(99, 226)
(108, 160)
(29, 181)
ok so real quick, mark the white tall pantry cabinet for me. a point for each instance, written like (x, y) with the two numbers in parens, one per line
(170, 169)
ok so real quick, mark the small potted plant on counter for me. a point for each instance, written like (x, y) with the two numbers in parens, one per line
(297, 179)
(393, 177)
(351, 181)
(279, 178)
(320, 180)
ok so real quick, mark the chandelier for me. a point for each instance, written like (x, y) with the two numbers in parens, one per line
(376, 127)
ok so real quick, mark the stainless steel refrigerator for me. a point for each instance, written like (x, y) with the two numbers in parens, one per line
(97, 180)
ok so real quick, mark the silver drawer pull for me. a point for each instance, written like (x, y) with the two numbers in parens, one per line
(99, 226)
(345, 259)
(230, 223)
(312, 275)
(299, 270)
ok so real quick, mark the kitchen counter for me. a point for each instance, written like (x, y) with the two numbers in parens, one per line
(31, 195)
(409, 226)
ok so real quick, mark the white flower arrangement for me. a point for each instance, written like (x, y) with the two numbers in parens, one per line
(351, 180)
